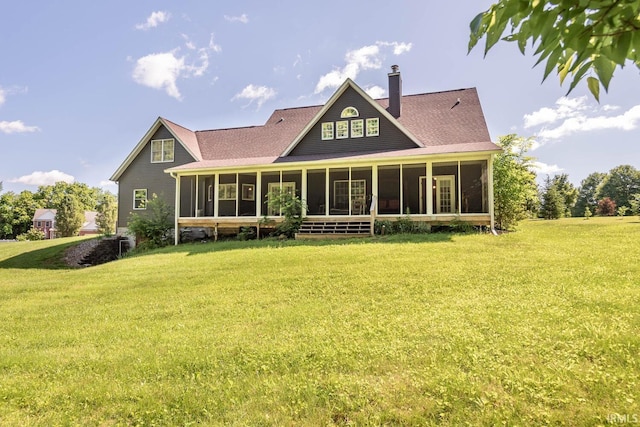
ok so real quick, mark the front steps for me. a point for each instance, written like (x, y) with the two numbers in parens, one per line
(333, 229)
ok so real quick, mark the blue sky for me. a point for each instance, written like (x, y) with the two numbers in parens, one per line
(81, 82)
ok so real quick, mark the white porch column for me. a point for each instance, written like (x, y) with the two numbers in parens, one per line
(326, 191)
(176, 230)
(258, 195)
(197, 193)
(490, 179)
(303, 192)
(429, 189)
(216, 183)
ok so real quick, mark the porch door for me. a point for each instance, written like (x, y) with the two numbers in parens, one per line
(208, 204)
(445, 193)
(287, 187)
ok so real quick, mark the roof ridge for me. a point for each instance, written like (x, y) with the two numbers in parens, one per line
(176, 124)
(233, 128)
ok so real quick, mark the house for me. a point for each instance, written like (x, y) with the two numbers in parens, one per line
(45, 221)
(352, 159)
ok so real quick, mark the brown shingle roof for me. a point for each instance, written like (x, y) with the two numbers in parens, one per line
(429, 117)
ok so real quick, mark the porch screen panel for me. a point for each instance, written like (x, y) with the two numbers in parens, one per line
(444, 191)
(227, 195)
(389, 189)
(247, 194)
(269, 180)
(296, 178)
(361, 186)
(316, 192)
(187, 196)
(474, 187)
(411, 197)
(338, 191)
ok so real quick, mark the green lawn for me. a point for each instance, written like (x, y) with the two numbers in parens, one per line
(536, 327)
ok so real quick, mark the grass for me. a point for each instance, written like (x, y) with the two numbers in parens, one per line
(536, 327)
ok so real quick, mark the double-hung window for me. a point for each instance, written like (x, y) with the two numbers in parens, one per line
(373, 127)
(140, 199)
(162, 150)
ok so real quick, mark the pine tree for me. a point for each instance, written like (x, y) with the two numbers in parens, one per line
(69, 216)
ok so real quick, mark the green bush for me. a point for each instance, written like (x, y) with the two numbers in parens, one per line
(154, 226)
(32, 234)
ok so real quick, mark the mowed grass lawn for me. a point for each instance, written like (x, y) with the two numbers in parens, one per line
(536, 327)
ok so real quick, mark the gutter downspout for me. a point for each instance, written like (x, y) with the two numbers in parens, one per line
(176, 230)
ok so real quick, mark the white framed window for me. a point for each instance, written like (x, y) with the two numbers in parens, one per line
(349, 112)
(357, 128)
(248, 192)
(227, 191)
(373, 127)
(327, 131)
(358, 195)
(342, 129)
(288, 187)
(162, 150)
(140, 199)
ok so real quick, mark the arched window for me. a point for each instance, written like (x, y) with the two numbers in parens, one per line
(349, 112)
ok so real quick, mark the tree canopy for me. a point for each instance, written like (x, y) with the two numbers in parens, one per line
(574, 37)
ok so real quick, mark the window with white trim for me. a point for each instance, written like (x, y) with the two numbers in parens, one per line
(342, 129)
(227, 191)
(373, 127)
(162, 150)
(140, 199)
(327, 131)
(349, 112)
(357, 128)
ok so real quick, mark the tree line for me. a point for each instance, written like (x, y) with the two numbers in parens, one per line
(70, 201)
(517, 195)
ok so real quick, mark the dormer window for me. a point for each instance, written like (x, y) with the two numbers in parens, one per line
(349, 112)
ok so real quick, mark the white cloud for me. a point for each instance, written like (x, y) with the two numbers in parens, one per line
(160, 71)
(365, 58)
(242, 18)
(375, 92)
(213, 46)
(16, 126)
(565, 107)
(3, 95)
(260, 94)
(44, 178)
(155, 19)
(107, 183)
(545, 169)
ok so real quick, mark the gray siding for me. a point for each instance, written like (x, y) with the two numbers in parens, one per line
(390, 138)
(142, 174)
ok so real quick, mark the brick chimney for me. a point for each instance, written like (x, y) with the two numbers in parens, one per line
(395, 91)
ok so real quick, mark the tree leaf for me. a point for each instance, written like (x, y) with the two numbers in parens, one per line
(594, 87)
(604, 68)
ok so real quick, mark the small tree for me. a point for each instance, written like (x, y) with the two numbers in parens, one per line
(622, 210)
(107, 213)
(634, 202)
(69, 216)
(290, 206)
(152, 228)
(552, 204)
(587, 213)
(606, 207)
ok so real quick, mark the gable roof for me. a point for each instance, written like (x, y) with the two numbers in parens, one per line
(184, 136)
(89, 223)
(438, 123)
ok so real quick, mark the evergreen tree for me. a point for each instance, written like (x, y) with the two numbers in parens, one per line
(567, 192)
(552, 203)
(69, 216)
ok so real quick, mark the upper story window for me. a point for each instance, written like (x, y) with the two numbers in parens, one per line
(373, 127)
(342, 129)
(357, 128)
(162, 150)
(349, 112)
(327, 130)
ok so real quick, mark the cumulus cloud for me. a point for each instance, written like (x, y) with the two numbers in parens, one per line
(160, 71)
(375, 92)
(44, 178)
(242, 18)
(259, 94)
(3, 95)
(541, 168)
(16, 126)
(107, 183)
(574, 115)
(358, 60)
(155, 19)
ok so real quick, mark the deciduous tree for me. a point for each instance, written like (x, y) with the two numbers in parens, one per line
(69, 216)
(620, 184)
(573, 37)
(588, 193)
(515, 189)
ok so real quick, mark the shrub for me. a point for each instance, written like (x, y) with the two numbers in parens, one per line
(606, 207)
(587, 213)
(290, 206)
(622, 210)
(32, 234)
(153, 228)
